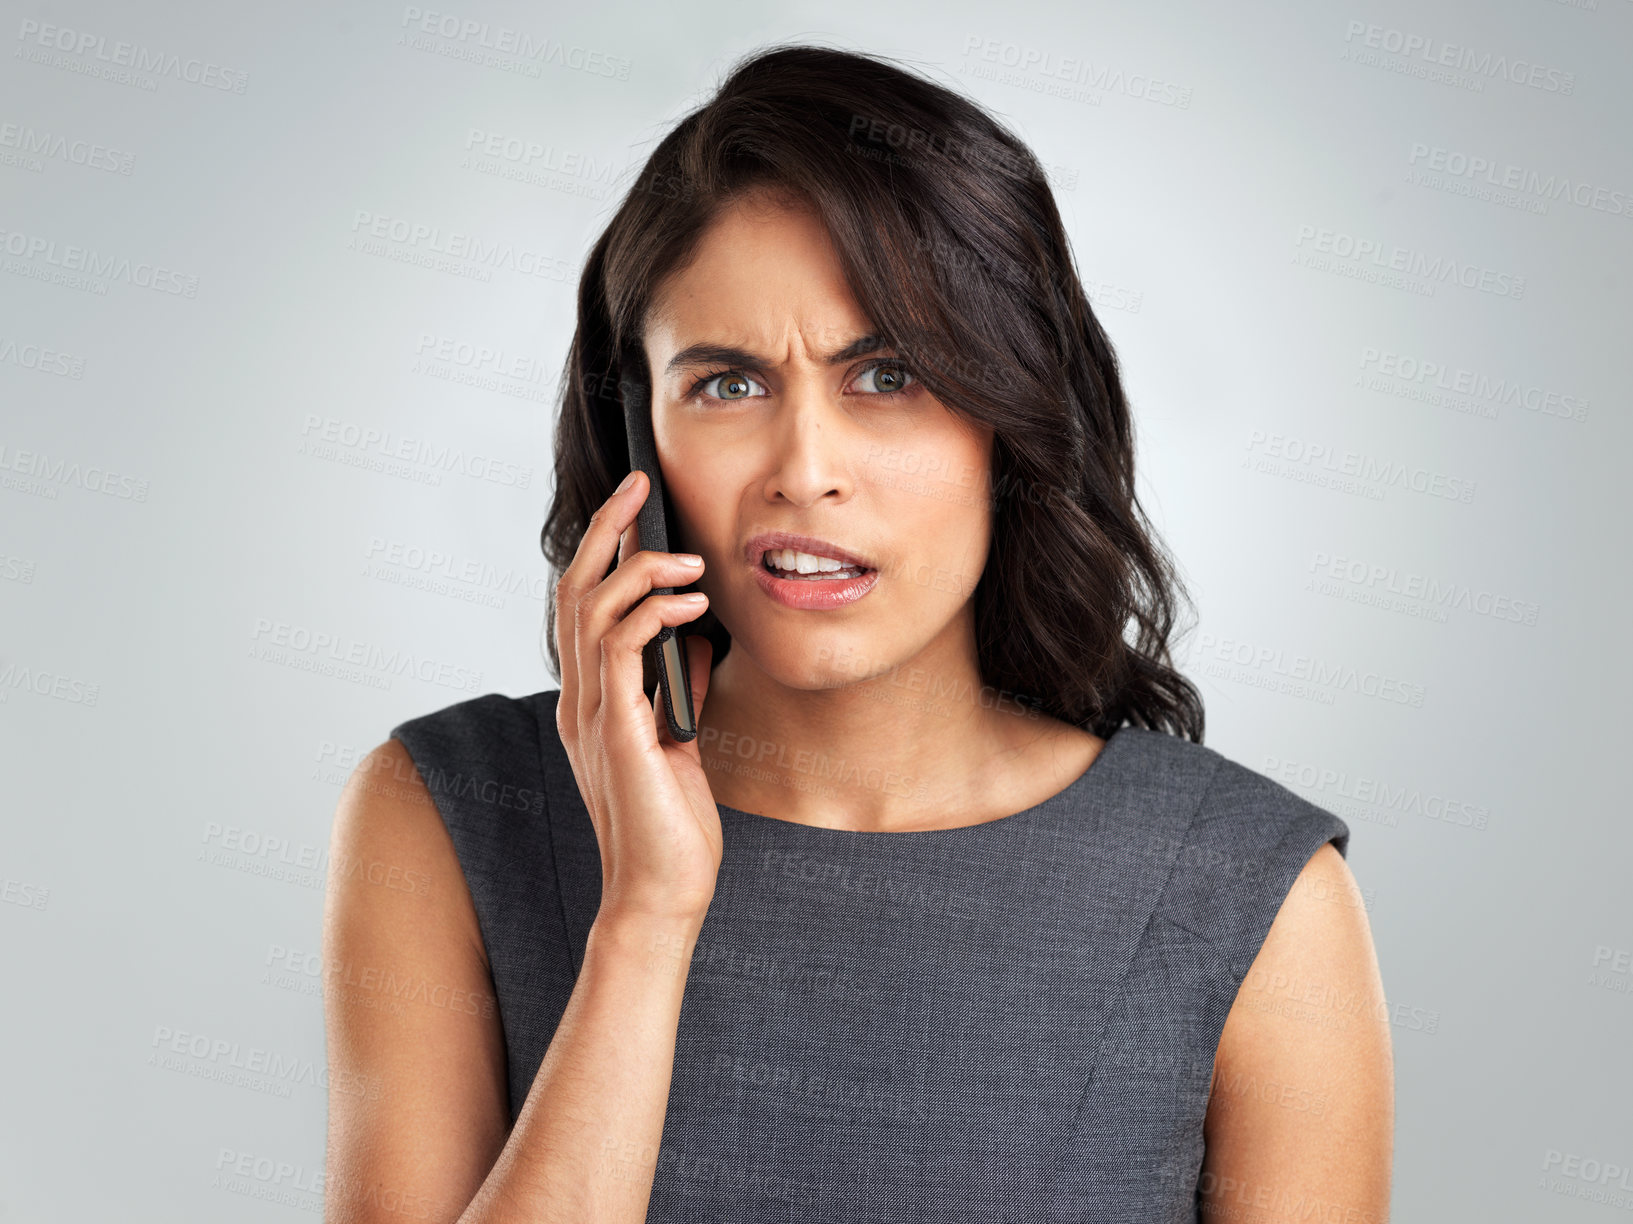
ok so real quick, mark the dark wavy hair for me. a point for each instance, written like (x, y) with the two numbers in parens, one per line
(953, 248)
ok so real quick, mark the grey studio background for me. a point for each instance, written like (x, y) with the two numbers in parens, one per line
(286, 293)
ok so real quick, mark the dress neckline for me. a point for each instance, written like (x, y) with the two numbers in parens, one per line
(1072, 792)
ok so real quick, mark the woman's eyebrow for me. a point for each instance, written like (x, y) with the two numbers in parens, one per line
(723, 354)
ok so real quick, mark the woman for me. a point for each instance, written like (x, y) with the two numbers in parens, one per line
(946, 913)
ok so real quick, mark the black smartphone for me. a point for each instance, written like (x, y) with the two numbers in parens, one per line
(666, 653)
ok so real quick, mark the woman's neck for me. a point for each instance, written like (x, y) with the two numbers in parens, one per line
(923, 746)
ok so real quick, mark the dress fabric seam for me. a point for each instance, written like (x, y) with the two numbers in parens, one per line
(1122, 981)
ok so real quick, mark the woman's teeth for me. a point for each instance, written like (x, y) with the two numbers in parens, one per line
(791, 563)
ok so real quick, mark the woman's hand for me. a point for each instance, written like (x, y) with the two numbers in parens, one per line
(648, 797)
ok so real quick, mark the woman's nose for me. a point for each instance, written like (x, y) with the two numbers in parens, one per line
(813, 445)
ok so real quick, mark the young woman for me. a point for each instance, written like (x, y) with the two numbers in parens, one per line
(946, 913)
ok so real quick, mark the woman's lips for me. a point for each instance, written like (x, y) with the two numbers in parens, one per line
(814, 592)
(767, 541)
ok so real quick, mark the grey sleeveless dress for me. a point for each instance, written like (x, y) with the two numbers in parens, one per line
(1011, 1021)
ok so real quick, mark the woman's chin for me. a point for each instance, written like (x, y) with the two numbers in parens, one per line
(812, 662)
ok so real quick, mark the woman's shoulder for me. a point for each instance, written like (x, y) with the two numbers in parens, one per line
(1246, 841)
(1234, 803)
(491, 717)
(483, 747)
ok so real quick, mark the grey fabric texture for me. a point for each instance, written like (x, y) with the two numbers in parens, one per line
(1010, 1021)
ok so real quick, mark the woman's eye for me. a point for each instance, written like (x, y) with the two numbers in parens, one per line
(732, 386)
(888, 377)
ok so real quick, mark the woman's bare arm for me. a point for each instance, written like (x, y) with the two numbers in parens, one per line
(1301, 1120)
(418, 1117)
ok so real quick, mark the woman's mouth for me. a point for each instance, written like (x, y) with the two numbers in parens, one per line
(811, 583)
(799, 566)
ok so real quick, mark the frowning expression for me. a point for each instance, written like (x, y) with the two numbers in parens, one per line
(791, 439)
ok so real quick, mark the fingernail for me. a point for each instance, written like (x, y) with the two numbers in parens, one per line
(628, 480)
(689, 558)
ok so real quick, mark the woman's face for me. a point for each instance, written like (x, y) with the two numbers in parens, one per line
(801, 431)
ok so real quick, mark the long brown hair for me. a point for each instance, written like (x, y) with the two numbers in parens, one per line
(954, 250)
